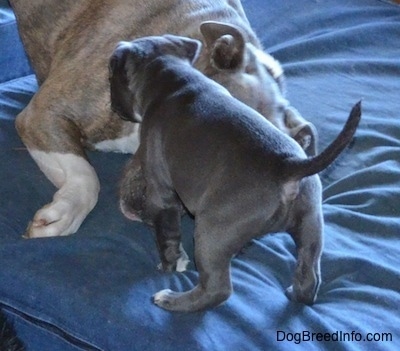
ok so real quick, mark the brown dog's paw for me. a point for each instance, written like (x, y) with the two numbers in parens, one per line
(301, 130)
(306, 138)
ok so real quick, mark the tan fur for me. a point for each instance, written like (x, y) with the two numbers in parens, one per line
(69, 44)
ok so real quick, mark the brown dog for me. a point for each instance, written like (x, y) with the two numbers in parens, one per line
(69, 43)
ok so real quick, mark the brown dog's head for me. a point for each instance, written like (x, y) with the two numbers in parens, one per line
(254, 77)
(129, 58)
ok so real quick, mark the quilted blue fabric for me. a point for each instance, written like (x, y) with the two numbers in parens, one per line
(92, 290)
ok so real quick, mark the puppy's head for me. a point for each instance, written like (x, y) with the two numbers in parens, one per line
(128, 61)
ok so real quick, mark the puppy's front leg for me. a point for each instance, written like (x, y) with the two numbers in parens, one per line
(213, 255)
(167, 227)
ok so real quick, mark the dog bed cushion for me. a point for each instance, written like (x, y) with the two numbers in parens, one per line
(92, 290)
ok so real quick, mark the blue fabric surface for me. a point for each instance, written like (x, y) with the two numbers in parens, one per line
(13, 62)
(92, 290)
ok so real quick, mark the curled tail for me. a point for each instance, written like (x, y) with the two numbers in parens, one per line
(300, 168)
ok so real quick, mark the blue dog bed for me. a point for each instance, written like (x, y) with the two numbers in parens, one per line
(92, 290)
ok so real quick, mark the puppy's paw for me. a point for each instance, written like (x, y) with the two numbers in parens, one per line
(306, 137)
(166, 299)
(306, 298)
(289, 293)
(180, 265)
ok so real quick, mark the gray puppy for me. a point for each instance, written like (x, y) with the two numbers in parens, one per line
(208, 153)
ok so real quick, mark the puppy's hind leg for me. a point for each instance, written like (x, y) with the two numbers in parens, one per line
(308, 236)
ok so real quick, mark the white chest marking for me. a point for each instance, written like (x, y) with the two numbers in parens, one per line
(127, 144)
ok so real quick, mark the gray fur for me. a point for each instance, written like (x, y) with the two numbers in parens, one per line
(206, 152)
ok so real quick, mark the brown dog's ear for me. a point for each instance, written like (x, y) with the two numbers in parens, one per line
(225, 43)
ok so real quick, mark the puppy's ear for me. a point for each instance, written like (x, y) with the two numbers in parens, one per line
(185, 47)
(122, 99)
(118, 57)
(193, 48)
(225, 43)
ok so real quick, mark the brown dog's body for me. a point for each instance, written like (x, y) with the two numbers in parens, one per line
(209, 153)
(69, 43)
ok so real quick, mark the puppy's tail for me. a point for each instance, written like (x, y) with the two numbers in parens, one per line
(300, 168)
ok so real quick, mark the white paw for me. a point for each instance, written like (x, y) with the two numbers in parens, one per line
(59, 218)
(169, 300)
(77, 195)
(181, 263)
(165, 299)
(159, 296)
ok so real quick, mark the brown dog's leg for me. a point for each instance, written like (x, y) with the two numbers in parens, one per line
(54, 142)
